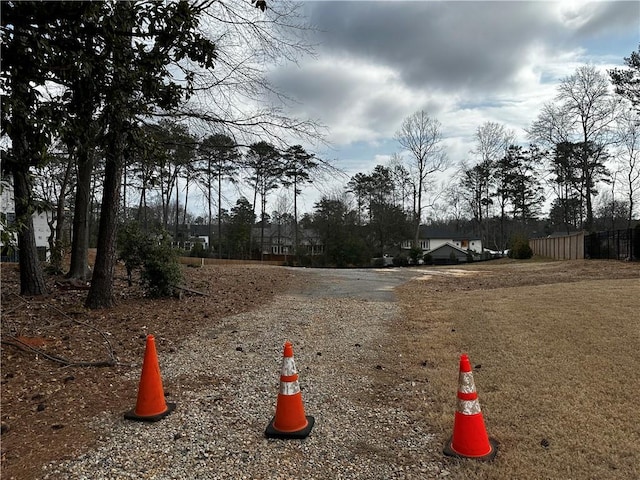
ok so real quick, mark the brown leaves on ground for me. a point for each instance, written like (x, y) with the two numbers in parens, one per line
(47, 404)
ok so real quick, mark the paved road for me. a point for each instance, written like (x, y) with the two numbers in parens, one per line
(371, 284)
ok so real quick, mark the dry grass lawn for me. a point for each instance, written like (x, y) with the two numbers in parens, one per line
(555, 350)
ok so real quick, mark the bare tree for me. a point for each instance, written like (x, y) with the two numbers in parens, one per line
(552, 127)
(585, 115)
(629, 159)
(492, 142)
(237, 94)
(421, 135)
(52, 186)
(403, 187)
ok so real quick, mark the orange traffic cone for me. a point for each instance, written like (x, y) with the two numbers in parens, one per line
(290, 420)
(151, 405)
(470, 439)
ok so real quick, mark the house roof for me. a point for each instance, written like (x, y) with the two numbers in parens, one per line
(202, 230)
(428, 231)
(448, 246)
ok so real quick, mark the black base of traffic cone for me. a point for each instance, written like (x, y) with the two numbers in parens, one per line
(131, 414)
(271, 432)
(450, 452)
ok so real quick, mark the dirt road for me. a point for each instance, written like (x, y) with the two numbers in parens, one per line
(370, 284)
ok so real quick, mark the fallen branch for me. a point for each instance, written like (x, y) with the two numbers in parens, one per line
(17, 343)
(185, 289)
(109, 363)
(72, 284)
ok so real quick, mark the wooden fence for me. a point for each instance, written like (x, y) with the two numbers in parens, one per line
(195, 261)
(568, 247)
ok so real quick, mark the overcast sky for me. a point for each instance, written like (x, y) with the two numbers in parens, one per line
(464, 63)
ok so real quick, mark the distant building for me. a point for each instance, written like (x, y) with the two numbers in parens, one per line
(431, 239)
(41, 228)
(280, 240)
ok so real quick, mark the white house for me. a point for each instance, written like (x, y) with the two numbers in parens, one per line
(41, 229)
(431, 239)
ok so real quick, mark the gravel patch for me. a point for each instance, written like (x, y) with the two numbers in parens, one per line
(225, 382)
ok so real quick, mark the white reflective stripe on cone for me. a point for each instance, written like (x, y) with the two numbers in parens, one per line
(288, 367)
(469, 407)
(466, 383)
(289, 388)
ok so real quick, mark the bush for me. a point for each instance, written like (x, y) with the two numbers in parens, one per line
(198, 251)
(400, 261)
(305, 261)
(415, 254)
(132, 245)
(378, 262)
(160, 270)
(520, 248)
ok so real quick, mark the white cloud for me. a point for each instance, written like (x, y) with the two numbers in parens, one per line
(361, 101)
(464, 63)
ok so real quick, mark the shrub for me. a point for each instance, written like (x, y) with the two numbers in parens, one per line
(198, 251)
(161, 271)
(132, 245)
(520, 248)
(400, 261)
(305, 261)
(378, 262)
(415, 254)
(151, 253)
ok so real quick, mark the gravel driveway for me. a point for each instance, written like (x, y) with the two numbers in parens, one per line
(225, 382)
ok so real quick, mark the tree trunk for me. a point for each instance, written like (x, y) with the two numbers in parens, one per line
(255, 201)
(263, 207)
(83, 105)
(21, 100)
(295, 216)
(209, 231)
(31, 275)
(165, 196)
(186, 200)
(79, 267)
(101, 291)
(416, 243)
(57, 233)
(117, 114)
(124, 192)
(177, 207)
(219, 214)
